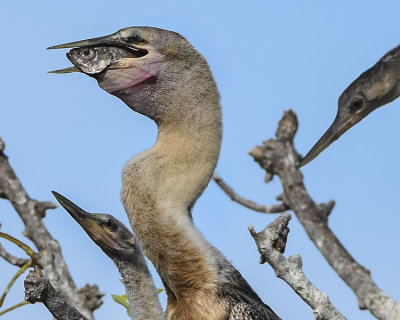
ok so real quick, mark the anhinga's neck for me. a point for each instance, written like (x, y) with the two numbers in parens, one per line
(189, 148)
(161, 185)
(140, 289)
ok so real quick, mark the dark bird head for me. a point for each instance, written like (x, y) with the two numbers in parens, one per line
(107, 232)
(143, 66)
(374, 88)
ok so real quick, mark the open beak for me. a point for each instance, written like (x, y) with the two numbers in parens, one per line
(337, 128)
(106, 40)
(86, 220)
(141, 62)
(110, 40)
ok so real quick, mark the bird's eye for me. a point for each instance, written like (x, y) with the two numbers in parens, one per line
(356, 104)
(109, 224)
(135, 38)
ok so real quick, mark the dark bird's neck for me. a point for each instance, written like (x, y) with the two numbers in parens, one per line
(140, 289)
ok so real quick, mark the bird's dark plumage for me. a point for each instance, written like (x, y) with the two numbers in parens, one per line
(244, 311)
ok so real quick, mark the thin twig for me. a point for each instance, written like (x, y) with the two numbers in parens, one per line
(23, 303)
(18, 262)
(29, 251)
(276, 208)
(20, 271)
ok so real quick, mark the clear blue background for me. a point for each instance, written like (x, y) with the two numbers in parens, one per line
(63, 133)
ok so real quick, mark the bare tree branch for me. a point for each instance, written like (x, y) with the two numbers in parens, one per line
(39, 289)
(271, 244)
(18, 262)
(50, 257)
(276, 208)
(23, 303)
(278, 156)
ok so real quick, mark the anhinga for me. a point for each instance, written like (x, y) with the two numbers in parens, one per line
(374, 88)
(121, 246)
(164, 78)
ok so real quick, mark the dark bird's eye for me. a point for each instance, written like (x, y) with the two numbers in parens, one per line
(356, 104)
(135, 39)
(109, 224)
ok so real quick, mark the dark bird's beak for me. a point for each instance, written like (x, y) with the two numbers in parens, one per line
(109, 40)
(81, 216)
(337, 128)
(66, 70)
(88, 221)
(106, 40)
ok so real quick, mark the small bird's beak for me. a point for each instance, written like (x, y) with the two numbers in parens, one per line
(86, 220)
(81, 216)
(337, 128)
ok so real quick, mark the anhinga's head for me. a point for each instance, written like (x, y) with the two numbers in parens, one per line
(108, 233)
(143, 66)
(374, 88)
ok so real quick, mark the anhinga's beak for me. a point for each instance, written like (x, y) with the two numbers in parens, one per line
(66, 70)
(89, 222)
(76, 212)
(118, 61)
(110, 40)
(104, 41)
(337, 128)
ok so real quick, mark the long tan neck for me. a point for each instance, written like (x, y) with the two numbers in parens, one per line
(160, 185)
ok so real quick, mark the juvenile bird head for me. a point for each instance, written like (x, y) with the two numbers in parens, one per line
(107, 232)
(374, 88)
(143, 66)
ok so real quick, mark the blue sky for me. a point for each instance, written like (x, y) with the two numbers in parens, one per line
(63, 133)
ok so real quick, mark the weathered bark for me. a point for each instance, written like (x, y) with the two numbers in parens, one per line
(39, 289)
(50, 257)
(279, 157)
(271, 243)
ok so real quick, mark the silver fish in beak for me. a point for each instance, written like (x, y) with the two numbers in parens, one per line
(122, 60)
(92, 60)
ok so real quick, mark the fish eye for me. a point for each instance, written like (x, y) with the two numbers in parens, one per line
(356, 104)
(88, 52)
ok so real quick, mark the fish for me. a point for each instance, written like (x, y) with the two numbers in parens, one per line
(93, 60)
